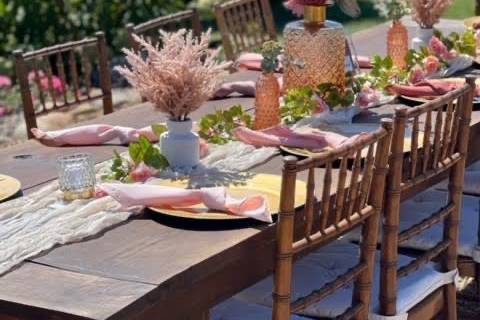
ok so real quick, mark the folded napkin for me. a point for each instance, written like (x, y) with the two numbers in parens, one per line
(364, 62)
(92, 135)
(250, 61)
(148, 195)
(245, 88)
(425, 89)
(305, 138)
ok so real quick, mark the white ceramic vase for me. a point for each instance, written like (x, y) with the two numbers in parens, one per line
(180, 145)
(422, 39)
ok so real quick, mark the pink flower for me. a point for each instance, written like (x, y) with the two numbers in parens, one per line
(32, 76)
(431, 64)
(203, 148)
(367, 98)
(142, 173)
(417, 74)
(295, 6)
(322, 106)
(452, 54)
(5, 82)
(3, 111)
(437, 47)
(57, 84)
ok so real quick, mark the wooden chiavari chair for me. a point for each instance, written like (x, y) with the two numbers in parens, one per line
(188, 19)
(245, 25)
(346, 200)
(440, 153)
(74, 63)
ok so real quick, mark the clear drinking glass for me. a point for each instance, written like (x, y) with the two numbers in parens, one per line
(76, 176)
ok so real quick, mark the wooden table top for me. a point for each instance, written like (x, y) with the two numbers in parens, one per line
(152, 266)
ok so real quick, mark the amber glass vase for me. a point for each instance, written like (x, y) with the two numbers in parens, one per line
(267, 104)
(314, 51)
(397, 44)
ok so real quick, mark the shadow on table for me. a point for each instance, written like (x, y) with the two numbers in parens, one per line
(203, 225)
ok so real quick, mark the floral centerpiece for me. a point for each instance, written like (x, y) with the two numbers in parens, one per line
(177, 79)
(427, 13)
(397, 36)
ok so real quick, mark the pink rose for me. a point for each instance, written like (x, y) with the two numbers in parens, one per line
(5, 82)
(417, 74)
(431, 64)
(437, 47)
(295, 6)
(142, 173)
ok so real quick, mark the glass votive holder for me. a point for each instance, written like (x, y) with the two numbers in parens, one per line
(76, 176)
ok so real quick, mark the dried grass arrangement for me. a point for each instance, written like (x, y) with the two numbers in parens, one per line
(427, 13)
(178, 77)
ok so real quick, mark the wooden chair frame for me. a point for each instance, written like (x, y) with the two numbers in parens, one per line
(301, 232)
(412, 172)
(233, 18)
(158, 23)
(43, 56)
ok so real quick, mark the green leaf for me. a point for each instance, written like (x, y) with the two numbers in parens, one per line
(136, 153)
(158, 129)
(153, 158)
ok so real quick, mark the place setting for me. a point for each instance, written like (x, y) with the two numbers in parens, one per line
(277, 211)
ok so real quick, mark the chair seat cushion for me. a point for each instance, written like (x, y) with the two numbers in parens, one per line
(423, 205)
(322, 266)
(235, 309)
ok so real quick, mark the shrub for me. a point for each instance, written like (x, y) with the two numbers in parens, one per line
(32, 24)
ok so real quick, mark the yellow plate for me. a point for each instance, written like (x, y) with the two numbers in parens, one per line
(260, 184)
(8, 187)
(350, 130)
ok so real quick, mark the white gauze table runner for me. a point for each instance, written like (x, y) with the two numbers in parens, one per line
(42, 220)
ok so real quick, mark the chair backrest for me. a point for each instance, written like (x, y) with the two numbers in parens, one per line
(347, 200)
(188, 19)
(61, 76)
(245, 25)
(439, 139)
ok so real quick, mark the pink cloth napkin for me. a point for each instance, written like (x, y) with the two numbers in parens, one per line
(147, 195)
(424, 89)
(305, 138)
(245, 88)
(250, 61)
(364, 62)
(92, 135)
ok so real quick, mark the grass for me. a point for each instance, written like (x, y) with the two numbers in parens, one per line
(460, 10)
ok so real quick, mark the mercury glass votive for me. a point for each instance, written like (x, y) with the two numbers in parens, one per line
(76, 176)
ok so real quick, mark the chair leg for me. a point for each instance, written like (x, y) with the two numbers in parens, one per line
(477, 279)
(451, 302)
(205, 315)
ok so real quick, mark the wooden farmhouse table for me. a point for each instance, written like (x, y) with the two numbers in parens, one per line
(150, 267)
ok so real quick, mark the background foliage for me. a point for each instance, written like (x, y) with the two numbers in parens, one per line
(29, 24)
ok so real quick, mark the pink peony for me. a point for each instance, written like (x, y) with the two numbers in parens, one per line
(431, 64)
(417, 74)
(5, 82)
(58, 86)
(142, 173)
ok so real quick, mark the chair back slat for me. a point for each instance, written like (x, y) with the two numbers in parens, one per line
(444, 124)
(353, 189)
(319, 223)
(46, 84)
(245, 25)
(188, 19)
